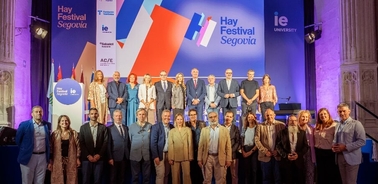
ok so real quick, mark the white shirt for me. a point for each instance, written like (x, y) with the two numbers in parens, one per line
(211, 93)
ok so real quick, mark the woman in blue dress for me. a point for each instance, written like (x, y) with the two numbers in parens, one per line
(133, 101)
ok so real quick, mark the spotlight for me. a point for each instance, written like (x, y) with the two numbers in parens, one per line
(40, 33)
(39, 27)
(313, 35)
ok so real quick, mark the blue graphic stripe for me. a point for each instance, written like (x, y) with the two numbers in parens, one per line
(194, 26)
(126, 17)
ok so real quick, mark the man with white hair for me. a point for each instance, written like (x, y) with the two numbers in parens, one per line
(292, 145)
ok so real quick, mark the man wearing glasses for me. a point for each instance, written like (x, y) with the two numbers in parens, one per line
(163, 95)
(196, 126)
(139, 133)
(214, 150)
(228, 90)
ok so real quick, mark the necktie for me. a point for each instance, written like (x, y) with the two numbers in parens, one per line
(164, 86)
(292, 137)
(195, 83)
(120, 128)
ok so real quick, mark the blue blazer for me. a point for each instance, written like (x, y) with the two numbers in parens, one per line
(158, 140)
(216, 97)
(118, 146)
(195, 92)
(114, 94)
(353, 136)
(25, 140)
(223, 89)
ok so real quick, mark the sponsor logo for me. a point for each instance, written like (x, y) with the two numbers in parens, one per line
(281, 23)
(67, 91)
(105, 29)
(106, 44)
(105, 12)
(107, 62)
(201, 29)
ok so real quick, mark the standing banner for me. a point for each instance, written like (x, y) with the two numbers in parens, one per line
(105, 37)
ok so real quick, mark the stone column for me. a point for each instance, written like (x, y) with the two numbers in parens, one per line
(7, 62)
(358, 80)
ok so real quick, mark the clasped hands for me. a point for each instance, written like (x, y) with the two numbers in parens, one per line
(292, 156)
(231, 95)
(338, 148)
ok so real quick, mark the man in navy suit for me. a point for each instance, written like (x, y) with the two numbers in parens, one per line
(159, 147)
(118, 151)
(93, 144)
(32, 138)
(163, 95)
(228, 90)
(196, 92)
(117, 92)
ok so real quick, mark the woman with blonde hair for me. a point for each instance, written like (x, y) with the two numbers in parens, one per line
(304, 118)
(147, 96)
(98, 97)
(328, 171)
(65, 153)
(178, 95)
(180, 150)
(267, 95)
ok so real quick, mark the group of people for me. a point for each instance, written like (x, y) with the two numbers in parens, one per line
(178, 95)
(192, 151)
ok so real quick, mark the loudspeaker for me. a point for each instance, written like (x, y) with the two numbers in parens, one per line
(7, 136)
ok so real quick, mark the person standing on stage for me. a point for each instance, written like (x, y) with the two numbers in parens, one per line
(118, 148)
(180, 150)
(139, 134)
(159, 147)
(349, 138)
(98, 97)
(228, 90)
(118, 96)
(196, 127)
(32, 138)
(249, 91)
(196, 92)
(235, 145)
(147, 96)
(178, 95)
(267, 95)
(163, 95)
(65, 153)
(214, 151)
(132, 100)
(93, 144)
(212, 99)
(266, 141)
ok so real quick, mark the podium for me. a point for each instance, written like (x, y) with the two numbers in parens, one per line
(68, 100)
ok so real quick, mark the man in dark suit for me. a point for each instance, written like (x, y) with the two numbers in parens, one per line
(228, 90)
(159, 147)
(32, 138)
(196, 126)
(93, 144)
(292, 145)
(235, 146)
(118, 151)
(196, 93)
(163, 95)
(117, 92)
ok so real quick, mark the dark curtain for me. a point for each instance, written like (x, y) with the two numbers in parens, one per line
(310, 68)
(40, 56)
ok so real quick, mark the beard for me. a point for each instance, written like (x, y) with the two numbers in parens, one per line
(214, 123)
(293, 129)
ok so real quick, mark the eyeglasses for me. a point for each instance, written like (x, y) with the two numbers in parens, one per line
(192, 114)
(212, 116)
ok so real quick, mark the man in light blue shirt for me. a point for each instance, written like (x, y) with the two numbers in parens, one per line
(348, 140)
